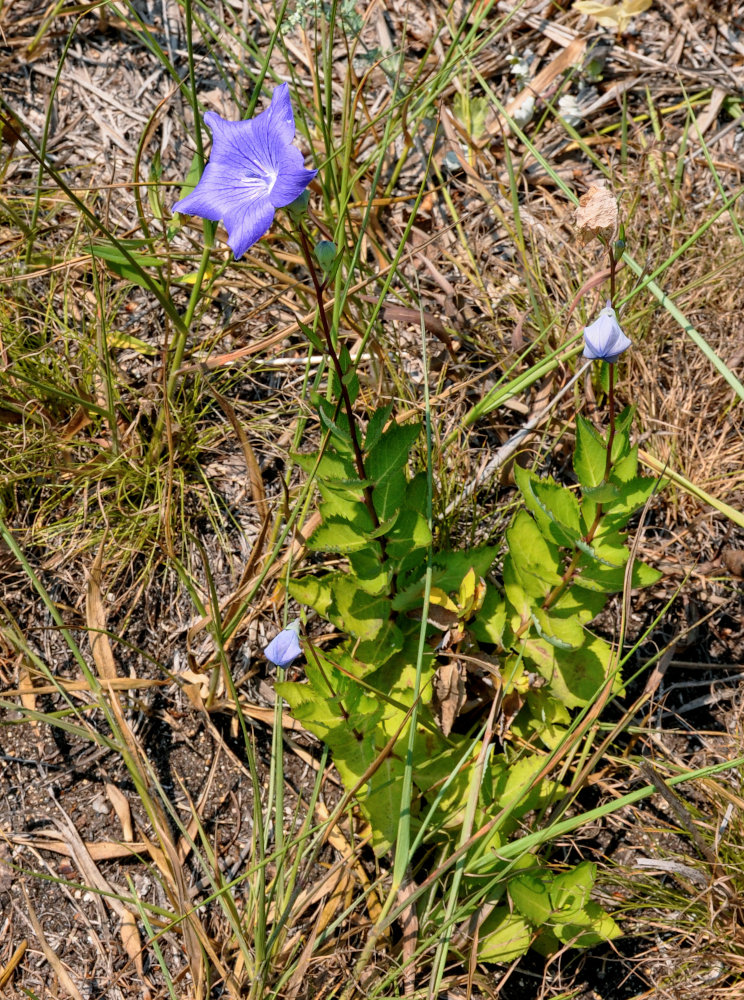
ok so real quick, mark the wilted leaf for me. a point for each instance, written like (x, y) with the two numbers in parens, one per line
(449, 684)
(596, 215)
(617, 15)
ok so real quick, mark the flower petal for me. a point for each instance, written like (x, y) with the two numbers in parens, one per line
(279, 114)
(247, 222)
(207, 200)
(292, 178)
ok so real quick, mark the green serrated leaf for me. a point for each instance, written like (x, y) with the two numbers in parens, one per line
(314, 591)
(515, 592)
(556, 508)
(605, 555)
(579, 602)
(503, 936)
(563, 633)
(590, 454)
(592, 926)
(489, 623)
(124, 268)
(545, 716)
(192, 175)
(631, 496)
(579, 674)
(571, 890)
(593, 575)
(605, 493)
(337, 534)
(375, 652)
(574, 676)
(529, 893)
(351, 733)
(626, 468)
(448, 569)
(376, 426)
(514, 786)
(535, 559)
(358, 613)
(315, 339)
(386, 465)
(409, 538)
(624, 419)
(332, 467)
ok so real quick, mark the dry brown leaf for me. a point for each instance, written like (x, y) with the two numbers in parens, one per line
(119, 801)
(26, 688)
(92, 876)
(326, 914)
(733, 560)
(449, 685)
(596, 216)
(64, 684)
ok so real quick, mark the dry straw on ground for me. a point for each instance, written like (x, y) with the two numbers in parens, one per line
(76, 835)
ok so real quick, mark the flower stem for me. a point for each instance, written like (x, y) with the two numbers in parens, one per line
(333, 354)
(611, 432)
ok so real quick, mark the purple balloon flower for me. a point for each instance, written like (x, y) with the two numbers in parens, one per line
(604, 340)
(284, 647)
(253, 170)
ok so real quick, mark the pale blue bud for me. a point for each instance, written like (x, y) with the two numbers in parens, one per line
(284, 647)
(604, 340)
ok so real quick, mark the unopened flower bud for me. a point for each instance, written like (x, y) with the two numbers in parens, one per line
(325, 254)
(604, 340)
(298, 207)
(285, 646)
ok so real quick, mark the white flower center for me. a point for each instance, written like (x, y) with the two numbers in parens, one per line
(260, 186)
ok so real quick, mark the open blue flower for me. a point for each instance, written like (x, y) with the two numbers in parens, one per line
(604, 340)
(253, 170)
(284, 647)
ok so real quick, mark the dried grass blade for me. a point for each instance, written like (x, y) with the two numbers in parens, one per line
(92, 876)
(96, 620)
(254, 470)
(6, 973)
(102, 850)
(49, 953)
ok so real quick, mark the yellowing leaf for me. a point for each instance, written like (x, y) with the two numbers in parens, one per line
(443, 600)
(122, 340)
(617, 15)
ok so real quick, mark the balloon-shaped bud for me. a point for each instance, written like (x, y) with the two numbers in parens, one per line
(285, 646)
(298, 207)
(604, 340)
(325, 254)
